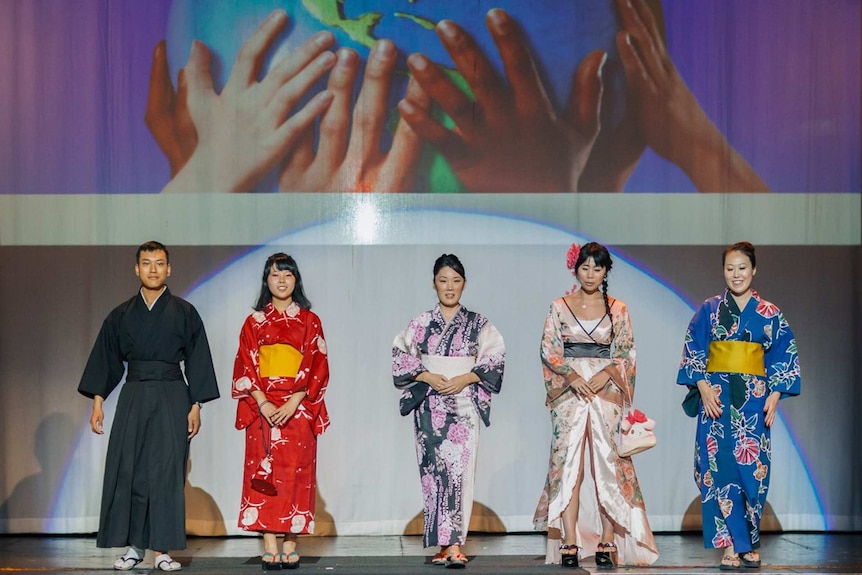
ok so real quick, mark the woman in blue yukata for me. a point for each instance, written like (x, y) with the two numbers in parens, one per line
(739, 360)
(448, 362)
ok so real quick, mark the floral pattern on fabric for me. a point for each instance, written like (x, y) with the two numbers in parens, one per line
(576, 421)
(446, 427)
(467, 334)
(286, 456)
(733, 454)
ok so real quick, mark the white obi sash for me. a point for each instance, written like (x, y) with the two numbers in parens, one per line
(448, 366)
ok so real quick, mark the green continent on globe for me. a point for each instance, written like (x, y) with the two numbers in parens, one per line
(424, 22)
(331, 13)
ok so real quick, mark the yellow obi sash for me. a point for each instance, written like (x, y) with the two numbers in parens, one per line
(279, 360)
(736, 357)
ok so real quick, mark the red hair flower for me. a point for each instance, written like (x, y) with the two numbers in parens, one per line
(572, 256)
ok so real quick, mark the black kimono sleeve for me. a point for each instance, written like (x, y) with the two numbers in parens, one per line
(199, 369)
(105, 367)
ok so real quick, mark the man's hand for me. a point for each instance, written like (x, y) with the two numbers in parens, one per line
(194, 420)
(98, 416)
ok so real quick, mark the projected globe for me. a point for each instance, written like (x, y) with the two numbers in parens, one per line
(559, 33)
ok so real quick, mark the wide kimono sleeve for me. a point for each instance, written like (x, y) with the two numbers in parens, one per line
(623, 351)
(313, 374)
(246, 375)
(490, 358)
(199, 369)
(554, 365)
(782, 360)
(105, 367)
(692, 367)
(407, 358)
(407, 365)
(246, 372)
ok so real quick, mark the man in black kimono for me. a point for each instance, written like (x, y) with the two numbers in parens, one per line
(157, 414)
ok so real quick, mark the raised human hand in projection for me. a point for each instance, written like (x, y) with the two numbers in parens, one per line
(670, 118)
(167, 115)
(351, 160)
(508, 138)
(247, 129)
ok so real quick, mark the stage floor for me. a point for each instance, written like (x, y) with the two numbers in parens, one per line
(404, 555)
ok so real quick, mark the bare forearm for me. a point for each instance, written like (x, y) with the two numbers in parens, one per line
(713, 165)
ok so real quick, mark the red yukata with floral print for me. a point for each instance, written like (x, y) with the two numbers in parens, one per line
(284, 456)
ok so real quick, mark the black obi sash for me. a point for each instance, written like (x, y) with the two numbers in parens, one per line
(586, 349)
(154, 371)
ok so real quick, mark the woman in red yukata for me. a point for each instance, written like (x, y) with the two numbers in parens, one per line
(280, 376)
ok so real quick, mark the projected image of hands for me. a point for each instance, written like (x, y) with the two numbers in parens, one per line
(357, 97)
(430, 96)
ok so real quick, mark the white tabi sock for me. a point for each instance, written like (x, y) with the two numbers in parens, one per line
(164, 562)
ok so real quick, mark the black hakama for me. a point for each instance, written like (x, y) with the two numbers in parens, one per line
(142, 496)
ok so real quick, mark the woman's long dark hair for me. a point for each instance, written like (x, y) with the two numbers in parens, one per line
(602, 258)
(282, 262)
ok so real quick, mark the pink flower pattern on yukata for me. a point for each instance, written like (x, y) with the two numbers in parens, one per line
(711, 446)
(446, 427)
(458, 433)
(438, 420)
(747, 450)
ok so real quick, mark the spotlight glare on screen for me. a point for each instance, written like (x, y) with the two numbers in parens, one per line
(366, 221)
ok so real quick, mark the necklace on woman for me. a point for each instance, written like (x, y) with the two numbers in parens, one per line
(584, 301)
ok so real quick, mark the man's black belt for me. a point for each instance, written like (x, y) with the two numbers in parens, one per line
(154, 370)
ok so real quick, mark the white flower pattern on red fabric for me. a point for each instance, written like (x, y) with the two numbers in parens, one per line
(292, 310)
(242, 384)
(249, 515)
(297, 523)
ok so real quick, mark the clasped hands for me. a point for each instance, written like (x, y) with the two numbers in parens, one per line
(279, 415)
(445, 385)
(587, 389)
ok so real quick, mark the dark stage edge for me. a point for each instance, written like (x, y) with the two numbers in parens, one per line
(680, 554)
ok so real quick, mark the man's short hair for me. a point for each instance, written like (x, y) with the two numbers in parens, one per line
(152, 246)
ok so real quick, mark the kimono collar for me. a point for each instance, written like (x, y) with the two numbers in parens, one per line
(437, 313)
(292, 310)
(728, 299)
(155, 301)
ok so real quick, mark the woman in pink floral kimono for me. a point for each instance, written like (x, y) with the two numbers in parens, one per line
(448, 362)
(591, 494)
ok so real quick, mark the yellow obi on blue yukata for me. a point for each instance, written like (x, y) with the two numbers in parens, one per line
(279, 360)
(735, 357)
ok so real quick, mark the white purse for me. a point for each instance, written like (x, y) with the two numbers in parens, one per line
(635, 433)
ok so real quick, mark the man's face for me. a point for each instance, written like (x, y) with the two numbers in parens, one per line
(153, 269)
